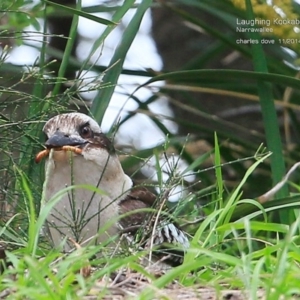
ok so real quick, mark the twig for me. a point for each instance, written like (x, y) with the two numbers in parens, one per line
(269, 195)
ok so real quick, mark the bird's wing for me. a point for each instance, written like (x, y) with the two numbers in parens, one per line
(139, 198)
(165, 230)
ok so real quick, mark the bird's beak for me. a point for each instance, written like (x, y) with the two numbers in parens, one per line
(59, 139)
(62, 144)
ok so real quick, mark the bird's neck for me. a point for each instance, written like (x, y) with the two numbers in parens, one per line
(110, 178)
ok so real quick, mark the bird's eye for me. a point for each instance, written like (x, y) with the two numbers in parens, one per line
(86, 132)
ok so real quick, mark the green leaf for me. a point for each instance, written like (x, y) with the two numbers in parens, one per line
(77, 12)
(203, 76)
(101, 101)
(271, 124)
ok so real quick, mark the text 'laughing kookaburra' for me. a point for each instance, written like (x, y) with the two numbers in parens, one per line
(78, 153)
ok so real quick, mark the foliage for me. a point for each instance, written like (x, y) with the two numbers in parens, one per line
(239, 243)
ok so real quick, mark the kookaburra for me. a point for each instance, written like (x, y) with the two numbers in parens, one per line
(78, 153)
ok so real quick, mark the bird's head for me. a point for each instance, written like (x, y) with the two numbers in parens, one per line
(80, 134)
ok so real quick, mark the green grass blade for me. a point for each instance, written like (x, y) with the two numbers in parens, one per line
(218, 172)
(268, 108)
(270, 120)
(31, 214)
(103, 97)
(202, 76)
(116, 18)
(80, 13)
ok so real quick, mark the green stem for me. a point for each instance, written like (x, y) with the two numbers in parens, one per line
(67, 52)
